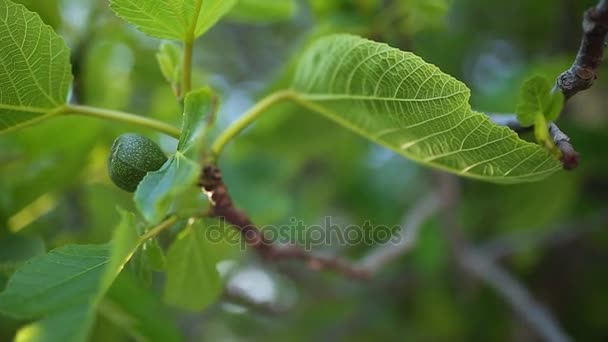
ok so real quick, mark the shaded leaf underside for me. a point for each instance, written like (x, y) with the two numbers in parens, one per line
(396, 99)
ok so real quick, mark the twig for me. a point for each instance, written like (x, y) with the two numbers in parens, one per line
(584, 70)
(580, 76)
(482, 268)
(223, 207)
(515, 294)
(408, 235)
(570, 158)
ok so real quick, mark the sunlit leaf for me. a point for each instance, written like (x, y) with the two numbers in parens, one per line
(35, 71)
(192, 279)
(252, 11)
(172, 19)
(397, 100)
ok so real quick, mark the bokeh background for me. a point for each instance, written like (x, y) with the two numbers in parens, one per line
(551, 236)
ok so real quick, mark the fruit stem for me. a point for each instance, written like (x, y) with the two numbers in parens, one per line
(114, 115)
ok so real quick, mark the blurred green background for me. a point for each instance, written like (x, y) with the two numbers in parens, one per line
(552, 235)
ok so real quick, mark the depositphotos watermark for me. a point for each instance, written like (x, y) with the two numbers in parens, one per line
(307, 236)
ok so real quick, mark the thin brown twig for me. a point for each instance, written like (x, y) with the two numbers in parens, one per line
(580, 76)
(570, 158)
(222, 207)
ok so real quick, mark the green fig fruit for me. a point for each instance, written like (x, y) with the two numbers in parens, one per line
(132, 157)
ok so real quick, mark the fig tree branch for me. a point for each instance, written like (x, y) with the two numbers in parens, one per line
(222, 207)
(580, 76)
(584, 71)
(570, 157)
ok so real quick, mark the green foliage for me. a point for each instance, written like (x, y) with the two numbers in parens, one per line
(35, 74)
(288, 165)
(397, 100)
(537, 106)
(65, 277)
(155, 194)
(200, 109)
(134, 308)
(192, 279)
(182, 20)
(169, 59)
(132, 156)
(158, 190)
(537, 99)
(65, 286)
(253, 11)
(421, 14)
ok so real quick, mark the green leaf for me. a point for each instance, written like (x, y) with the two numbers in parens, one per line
(181, 20)
(19, 248)
(169, 59)
(71, 324)
(399, 101)
(157, 190)
(424, 14)
(253, 11)
(192, 279)
(153, 255)
(60, 279)
(65, 286)
(125, 242)
(200, 106)
(35, 71)
(138, 311)
(15, 249)
(536, 99)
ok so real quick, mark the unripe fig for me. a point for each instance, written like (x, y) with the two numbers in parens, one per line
(131, 158)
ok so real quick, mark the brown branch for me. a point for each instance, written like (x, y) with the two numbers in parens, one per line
(222, 207)
(570, 158)
(580, 76)
(584, 70)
